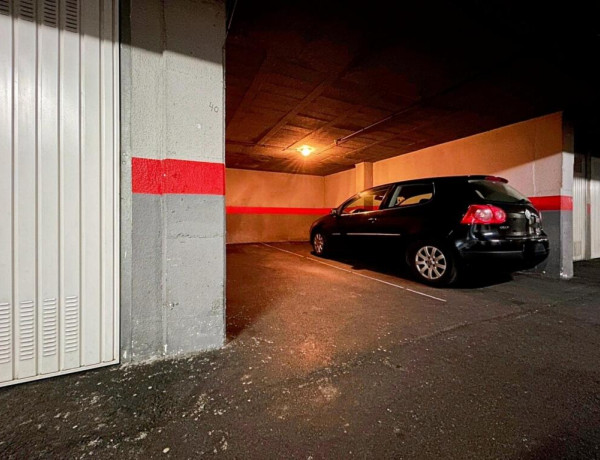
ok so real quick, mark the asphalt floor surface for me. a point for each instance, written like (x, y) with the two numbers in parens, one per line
(344, 358)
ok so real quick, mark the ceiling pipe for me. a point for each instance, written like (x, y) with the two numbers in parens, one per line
(341, 140)
(230, 19)
(419, 103)
(413, 106)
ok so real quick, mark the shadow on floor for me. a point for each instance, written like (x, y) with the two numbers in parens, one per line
(388, 263)
(256, 280)
(588, 270)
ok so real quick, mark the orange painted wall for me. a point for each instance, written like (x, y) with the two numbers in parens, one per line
(528, 154)
(262, 189)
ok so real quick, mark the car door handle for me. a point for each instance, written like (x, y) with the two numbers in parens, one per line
(372, 219)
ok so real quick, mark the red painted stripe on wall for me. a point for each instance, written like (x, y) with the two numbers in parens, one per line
(270, 210)
(158, 177)
(553, 203)
(542, 203)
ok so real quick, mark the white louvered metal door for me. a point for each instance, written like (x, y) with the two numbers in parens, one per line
(595, 207)
(58, 187)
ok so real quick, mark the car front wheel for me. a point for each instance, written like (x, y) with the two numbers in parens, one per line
(432, 263)
(320, 244)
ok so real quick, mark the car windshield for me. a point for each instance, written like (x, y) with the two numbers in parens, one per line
(497, 191)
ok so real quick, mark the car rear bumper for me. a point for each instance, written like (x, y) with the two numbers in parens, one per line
(518, 254)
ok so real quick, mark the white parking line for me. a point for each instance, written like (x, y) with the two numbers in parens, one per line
(353, 272)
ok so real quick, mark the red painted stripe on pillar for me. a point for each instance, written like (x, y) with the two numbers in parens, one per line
(553, 203)
(146, 176)
(274, 210)
(194, 177)
(158, 177)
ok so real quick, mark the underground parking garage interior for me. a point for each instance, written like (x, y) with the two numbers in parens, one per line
(163, 162)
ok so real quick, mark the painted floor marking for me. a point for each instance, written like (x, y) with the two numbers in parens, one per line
(353, 272)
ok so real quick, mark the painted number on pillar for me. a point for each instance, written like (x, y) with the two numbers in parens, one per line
(212, 107)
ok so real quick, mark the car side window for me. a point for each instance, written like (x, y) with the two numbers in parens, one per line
(410, 194)
(369, 200)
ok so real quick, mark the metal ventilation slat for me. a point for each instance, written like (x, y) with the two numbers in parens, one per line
(71, 15)
(27, 10)
(50, 13)
(5, 7)
(71, 324)
(27, 330)
(49, 327)
(5, 333)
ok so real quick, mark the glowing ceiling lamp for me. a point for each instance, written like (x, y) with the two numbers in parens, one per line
(305, 150)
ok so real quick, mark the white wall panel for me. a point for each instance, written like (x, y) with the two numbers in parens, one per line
(109, 173)
(58, 187)
(580, 185)
(595, 207)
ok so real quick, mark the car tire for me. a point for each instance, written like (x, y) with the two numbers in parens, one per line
(320, 243)
(432, 263)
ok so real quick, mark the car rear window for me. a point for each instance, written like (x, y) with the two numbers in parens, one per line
(410, 194)
(497, 191)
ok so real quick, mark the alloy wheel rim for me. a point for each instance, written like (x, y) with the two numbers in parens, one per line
(431, 262)
(318, 243)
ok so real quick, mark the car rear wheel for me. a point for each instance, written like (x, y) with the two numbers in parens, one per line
(320, 244)
(432, 263)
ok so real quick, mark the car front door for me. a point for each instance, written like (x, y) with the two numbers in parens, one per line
(357, 216)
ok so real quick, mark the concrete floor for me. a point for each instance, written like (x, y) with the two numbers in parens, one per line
(344, 360)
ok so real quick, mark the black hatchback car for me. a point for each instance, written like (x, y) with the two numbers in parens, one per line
(440, 225)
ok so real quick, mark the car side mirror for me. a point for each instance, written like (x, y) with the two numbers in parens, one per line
(334, 212)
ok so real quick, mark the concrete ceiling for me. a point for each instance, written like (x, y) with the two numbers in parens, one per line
(313, 72)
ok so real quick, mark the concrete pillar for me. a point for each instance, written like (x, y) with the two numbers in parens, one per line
(173, 214)
(364, 176)
(553, 180)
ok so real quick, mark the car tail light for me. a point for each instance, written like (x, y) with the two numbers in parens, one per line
(496, 179)
(484, 214)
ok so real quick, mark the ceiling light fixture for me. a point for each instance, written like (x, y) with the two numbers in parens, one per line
(305, 150)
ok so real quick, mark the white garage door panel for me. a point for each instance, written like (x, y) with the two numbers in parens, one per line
(25, 36)
(6, 187)
(58, 187)
(48, 237)
(70, 180)
(90, 179)
(595, 207)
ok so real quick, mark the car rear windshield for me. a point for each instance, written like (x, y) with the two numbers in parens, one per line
(497, 191)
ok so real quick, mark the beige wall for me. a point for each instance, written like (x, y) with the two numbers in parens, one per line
(271, 190)
(265, 228)
(339, 186)
(268, 189)
(528, 154)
